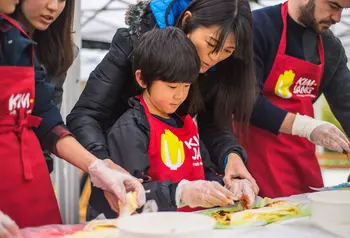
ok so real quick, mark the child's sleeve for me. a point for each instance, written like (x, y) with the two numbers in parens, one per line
(210, 168)
(128, 146)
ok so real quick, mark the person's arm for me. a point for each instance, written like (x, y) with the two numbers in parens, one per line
(219, 141)
(93, 111)
(54, 137)
(224, 149)
(265, 114)
(277, 120)
(337, 93)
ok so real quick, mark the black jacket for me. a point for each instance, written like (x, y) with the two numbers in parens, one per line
(128, 141)
(111, 84)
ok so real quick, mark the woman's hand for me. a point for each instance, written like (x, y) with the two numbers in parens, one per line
(235, 168)
(243, 190)
(115, 182)
(110, 197)
(8, 228)
(202, 193)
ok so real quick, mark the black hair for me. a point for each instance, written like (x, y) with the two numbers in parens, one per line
(168, 55)
(231, 89)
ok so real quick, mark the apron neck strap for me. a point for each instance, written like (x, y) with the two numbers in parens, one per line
(283, 43)
(15, 24)
(143, 103)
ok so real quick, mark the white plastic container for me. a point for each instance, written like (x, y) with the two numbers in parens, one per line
(166, 224)
(330, 210)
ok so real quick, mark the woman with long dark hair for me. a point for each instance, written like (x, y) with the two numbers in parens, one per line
(50, 24)
(221, 31)
(30, 121)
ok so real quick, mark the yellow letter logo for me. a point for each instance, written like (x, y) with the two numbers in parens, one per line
(172, 150)
(285, 81)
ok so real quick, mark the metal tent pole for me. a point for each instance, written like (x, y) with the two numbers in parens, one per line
(66, 175)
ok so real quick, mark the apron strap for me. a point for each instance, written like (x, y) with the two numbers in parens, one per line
(21, 125)
(143, 103)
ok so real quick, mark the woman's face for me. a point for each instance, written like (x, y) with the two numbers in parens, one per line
(205, 40)
(40, 14)
(8, 6)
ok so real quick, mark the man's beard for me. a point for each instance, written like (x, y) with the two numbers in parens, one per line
(307, 18)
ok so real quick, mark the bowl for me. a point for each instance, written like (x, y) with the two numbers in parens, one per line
(330, 210)
(166, 224)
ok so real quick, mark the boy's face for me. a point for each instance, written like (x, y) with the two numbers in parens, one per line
(167, 97)
(164, 98)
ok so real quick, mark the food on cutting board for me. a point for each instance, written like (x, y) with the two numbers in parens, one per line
(108, 228)
(98, 229)
(271, 212)
(97, 225)
(130, 206)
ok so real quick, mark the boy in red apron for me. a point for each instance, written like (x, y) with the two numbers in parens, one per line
(153, 142)
(27, 194)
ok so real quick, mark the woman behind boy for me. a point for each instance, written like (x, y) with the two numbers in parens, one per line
(152, 142)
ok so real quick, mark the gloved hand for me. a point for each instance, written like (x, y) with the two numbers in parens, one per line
(235, 168)
(115, 182)
(8, 228)
(201, 193)
(243, 190)
(320, 133)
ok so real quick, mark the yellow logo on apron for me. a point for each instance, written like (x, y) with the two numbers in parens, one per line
(285, 81)
(172, 150)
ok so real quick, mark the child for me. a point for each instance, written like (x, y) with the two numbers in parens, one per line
(152, 141)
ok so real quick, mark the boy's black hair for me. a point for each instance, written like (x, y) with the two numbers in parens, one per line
(168, 55)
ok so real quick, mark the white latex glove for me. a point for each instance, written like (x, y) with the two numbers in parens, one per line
(320, 133)
(201, 193)
(8, 228)
(243, 190)
(115, 182)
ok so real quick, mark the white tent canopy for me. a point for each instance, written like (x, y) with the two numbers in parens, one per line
(100, 19)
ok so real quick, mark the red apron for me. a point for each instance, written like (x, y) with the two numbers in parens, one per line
(285, 165)
(174, 152)
(27, 194)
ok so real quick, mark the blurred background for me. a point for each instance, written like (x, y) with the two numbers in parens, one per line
(95, 25)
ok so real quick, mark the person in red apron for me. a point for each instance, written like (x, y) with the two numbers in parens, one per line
(27, 195)
(30, 193)
(153, 142)
(286, 164)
